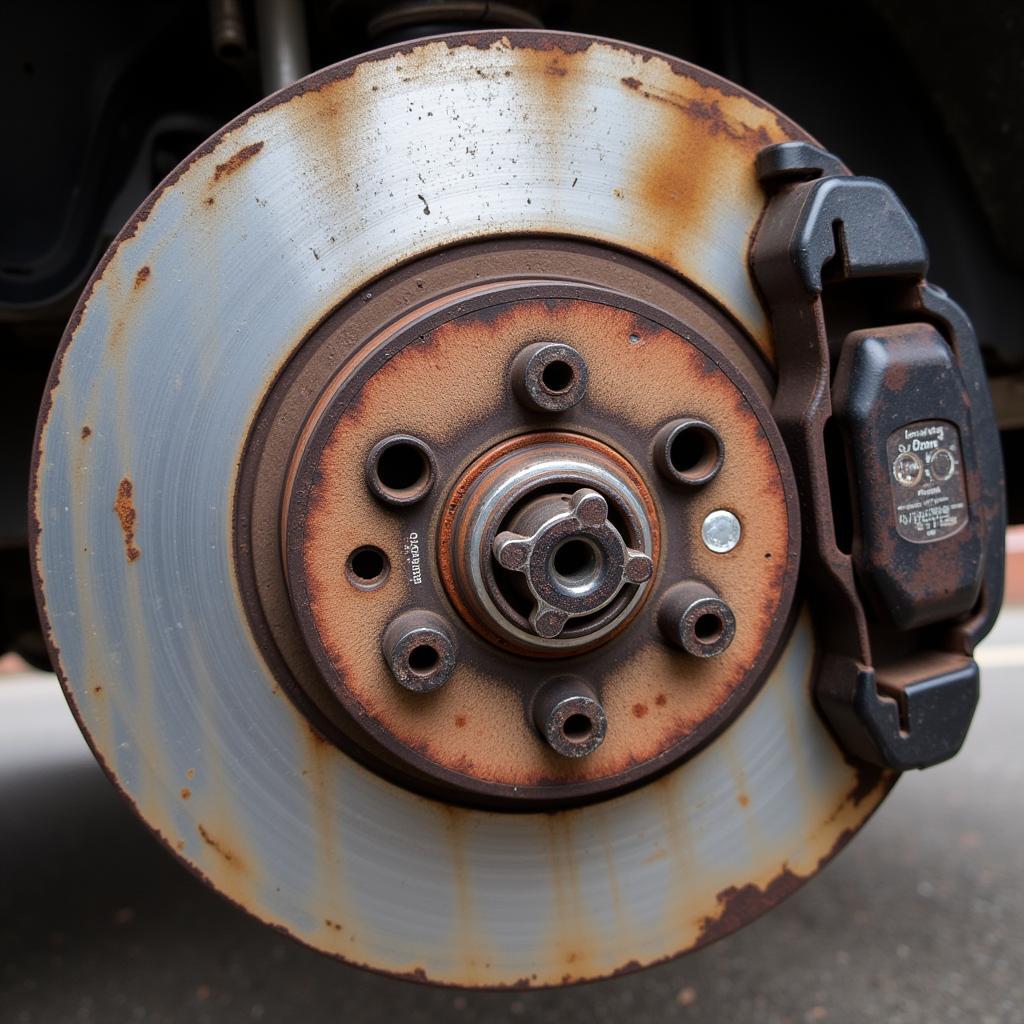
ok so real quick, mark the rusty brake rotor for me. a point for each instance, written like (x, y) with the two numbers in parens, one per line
(430, 476)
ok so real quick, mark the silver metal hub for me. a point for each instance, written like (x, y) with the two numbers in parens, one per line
(556, 545)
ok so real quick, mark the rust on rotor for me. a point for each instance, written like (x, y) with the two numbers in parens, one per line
(677, 186)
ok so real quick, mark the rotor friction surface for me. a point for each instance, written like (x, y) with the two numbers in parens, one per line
(281, 216)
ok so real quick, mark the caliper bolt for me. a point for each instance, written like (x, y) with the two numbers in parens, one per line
(569, 716)
(693, 617)
(400, 470)
(688, 452)
(420, 649)
(549, 376)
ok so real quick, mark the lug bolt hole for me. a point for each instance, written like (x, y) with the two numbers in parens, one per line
(558, 376)
(367, 568)
(400, 470)
(688, 452)
(423, 659)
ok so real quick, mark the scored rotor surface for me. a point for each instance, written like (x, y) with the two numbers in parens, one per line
(283, 215)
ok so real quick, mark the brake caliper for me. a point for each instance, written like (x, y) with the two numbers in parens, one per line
(884, 408)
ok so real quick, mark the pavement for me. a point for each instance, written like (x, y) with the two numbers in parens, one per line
(920, 919)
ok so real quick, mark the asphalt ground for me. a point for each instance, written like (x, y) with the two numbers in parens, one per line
(920, 919)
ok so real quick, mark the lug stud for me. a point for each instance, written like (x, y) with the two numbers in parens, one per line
(549, 376)
(694, 618)
(420, 649)
(570, 717)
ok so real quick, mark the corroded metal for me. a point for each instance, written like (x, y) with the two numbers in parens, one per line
(420, 649)
(568, 714)
(693, 617)
(548, 376)
(474, 736)
(167, 359)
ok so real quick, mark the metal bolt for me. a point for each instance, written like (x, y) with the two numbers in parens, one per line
(570, 717)
(549, 376)
(400, 469)
(720, 531)
(693, 617)
(420, 649)
(688, 451)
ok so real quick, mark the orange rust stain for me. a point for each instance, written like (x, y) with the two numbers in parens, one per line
(190, 774)
(219, 847)
(631, 83)
(124, 508)
(97, 690)
(86, 432)
(142, 276)
(743, 800)
(742, 904)
(186, 793)
(210, 200)
(639, 710)
(234, 162)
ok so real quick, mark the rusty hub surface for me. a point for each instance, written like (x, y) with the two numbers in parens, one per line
(541, 536)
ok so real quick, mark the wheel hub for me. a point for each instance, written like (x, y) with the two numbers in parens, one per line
(492, 586)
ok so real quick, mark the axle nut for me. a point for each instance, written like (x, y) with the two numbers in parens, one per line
(549, 376)
(694, 618)
(420, 649)
(570, 717)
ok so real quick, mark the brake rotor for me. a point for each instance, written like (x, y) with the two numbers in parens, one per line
(407, 464)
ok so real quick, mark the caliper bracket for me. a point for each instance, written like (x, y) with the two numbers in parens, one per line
(884, 406)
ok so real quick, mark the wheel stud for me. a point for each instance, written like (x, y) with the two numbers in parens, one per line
(570, 717)
(420, 649)
(549, 376)
(694, 618)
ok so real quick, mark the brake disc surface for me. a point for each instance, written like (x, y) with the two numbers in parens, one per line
(295, 208)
